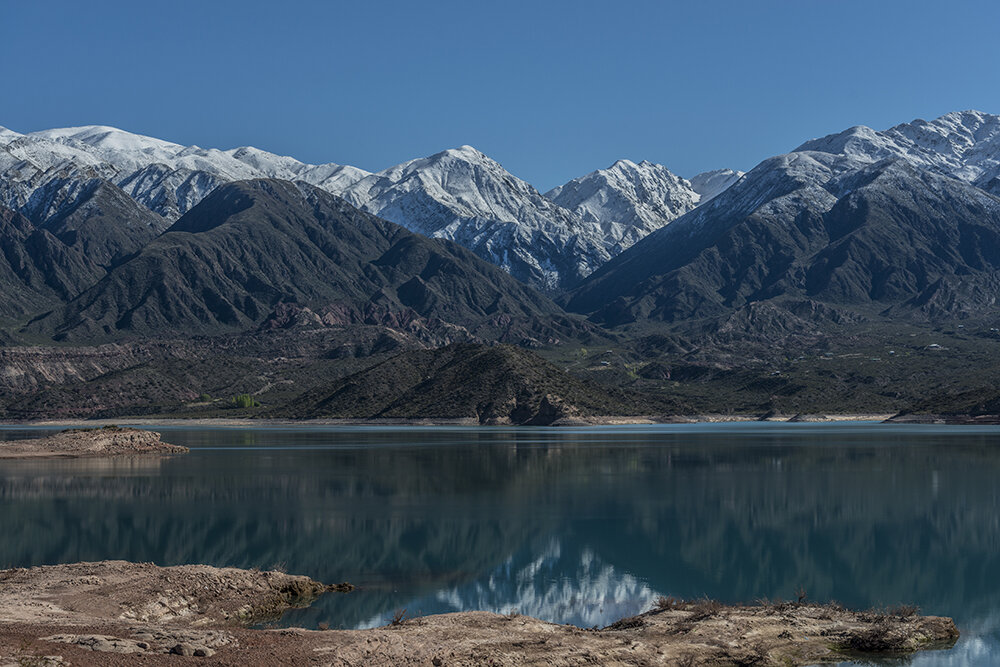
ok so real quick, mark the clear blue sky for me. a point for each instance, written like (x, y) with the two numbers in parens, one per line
(550, 89)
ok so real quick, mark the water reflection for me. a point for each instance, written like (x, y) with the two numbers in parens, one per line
(582, 526)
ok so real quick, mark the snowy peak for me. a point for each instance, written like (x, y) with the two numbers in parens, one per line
(627, 200)
(710, 184)
(108, 138)
(858, 141)
(639, 194)
(956, 133)
(166, 177)
(461, 159)
(962, 144)
(462, 195)
(466, 152)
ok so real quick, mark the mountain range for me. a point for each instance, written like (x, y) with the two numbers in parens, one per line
(903, 223)
(460, 194)
(111, 237)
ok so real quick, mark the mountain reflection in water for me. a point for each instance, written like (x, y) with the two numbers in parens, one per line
(573, 525)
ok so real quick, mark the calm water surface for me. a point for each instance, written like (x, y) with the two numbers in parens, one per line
(578, 526)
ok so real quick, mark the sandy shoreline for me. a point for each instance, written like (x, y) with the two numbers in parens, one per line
(116, 612)
(593, 421)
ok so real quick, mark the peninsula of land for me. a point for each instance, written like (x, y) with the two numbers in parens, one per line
(106, 441)
(115, 612)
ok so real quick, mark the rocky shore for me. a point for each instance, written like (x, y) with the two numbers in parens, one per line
(117, 613)
(949, 419)
(107, 441)
(609, 420)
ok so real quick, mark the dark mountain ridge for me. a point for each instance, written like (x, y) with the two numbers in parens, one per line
(95, 216)
(252, 246)
(37, 270)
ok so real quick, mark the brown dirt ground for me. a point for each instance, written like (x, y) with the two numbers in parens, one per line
(118, 613)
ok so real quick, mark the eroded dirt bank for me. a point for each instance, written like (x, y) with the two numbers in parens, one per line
(107, 441)
(118, 613)
(610, 420)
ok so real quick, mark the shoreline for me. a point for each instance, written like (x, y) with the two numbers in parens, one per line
(82, 613)
(464, 422)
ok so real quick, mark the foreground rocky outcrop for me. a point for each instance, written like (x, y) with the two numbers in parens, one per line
(116, 607)
(90, 442)
(113, 612)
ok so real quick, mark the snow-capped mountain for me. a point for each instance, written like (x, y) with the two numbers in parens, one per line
(464, 196)
(900, 221)
(627, 200)
(460, 194)
(165, 177)
(962, 144)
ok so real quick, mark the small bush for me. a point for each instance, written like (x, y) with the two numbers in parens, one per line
(904, 611)
(398, 617)
(666, 603)
(204, 398)
(704, 608)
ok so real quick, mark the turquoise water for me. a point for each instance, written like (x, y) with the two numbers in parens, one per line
(578, 526)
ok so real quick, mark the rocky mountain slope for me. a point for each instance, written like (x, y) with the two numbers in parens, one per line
(861, 220)
(37, 270)
(491, 385)
(252, 247)
(94, 216)
(459, 195)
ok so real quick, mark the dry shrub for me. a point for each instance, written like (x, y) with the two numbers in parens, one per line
(704, 608)
(904, 611)
(629, 623)
(753, 655)
(878, 637)
(666, 603)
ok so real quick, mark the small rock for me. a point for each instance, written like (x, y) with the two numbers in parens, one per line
(204, 652)
(183, 649)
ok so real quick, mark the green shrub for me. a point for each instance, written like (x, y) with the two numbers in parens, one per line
(245, 401)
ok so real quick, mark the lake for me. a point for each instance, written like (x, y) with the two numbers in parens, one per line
(575, 525)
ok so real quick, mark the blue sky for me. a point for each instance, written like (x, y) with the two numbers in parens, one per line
(550, 89)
